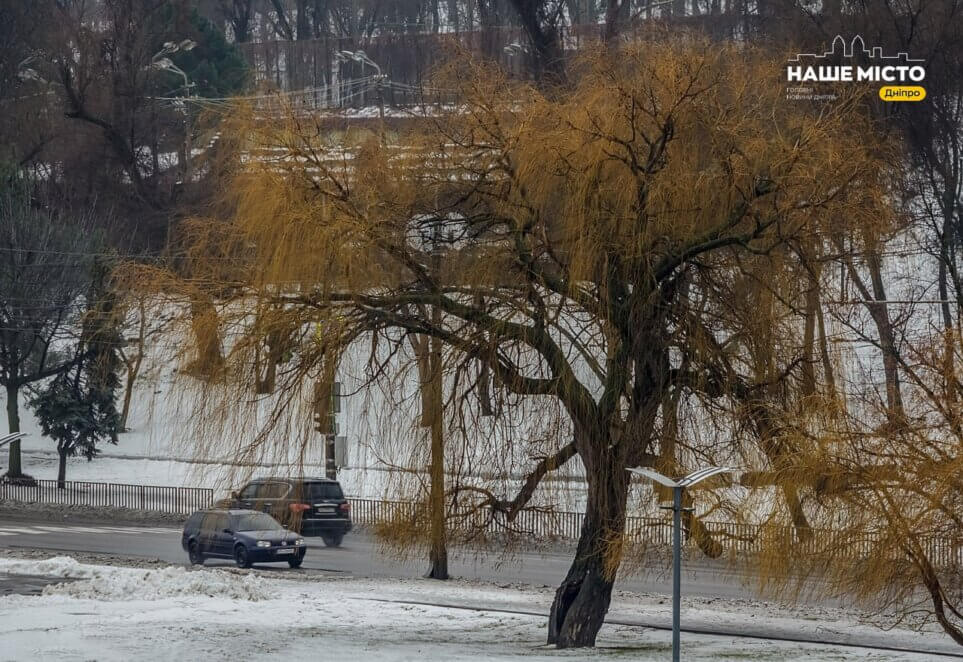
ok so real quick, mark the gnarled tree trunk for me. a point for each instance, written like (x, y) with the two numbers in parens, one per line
(583, 598)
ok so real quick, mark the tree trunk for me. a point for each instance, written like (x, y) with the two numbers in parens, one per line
(62, 470)
(583, 598)
(128, 392)
(134, 362)
(809, 339)
(547, 55)
(133, 370)
(453, 15)
(302, 22)
(15, 469)
(438, 552)
(204, 324)
(887, 340)
(949, 378)
(828, 374)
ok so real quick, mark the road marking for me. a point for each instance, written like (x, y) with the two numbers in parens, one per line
(36, 530)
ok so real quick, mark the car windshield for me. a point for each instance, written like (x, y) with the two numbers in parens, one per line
(317, 491)
(255, 522)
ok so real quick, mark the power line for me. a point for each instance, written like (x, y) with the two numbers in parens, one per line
(869, 302)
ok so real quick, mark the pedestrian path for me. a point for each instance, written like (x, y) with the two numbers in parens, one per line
(39, 530)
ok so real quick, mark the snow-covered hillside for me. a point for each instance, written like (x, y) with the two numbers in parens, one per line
(172, 439)
(112, 613)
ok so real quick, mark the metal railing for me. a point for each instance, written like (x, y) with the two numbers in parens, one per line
(177, 500)
(538, 524)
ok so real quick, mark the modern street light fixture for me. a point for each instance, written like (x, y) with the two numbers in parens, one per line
(358, 56)
(677, 487)
(362, 58)
(161, 62)
(173, 47)
(514, 48)
(13, 436)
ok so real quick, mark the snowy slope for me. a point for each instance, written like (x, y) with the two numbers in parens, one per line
(170, 443)
(171, 613)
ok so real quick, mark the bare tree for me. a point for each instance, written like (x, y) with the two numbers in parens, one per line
(44, 271)
(239, 13)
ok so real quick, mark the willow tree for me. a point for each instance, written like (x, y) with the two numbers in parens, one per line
(563, 241)
(888, 497)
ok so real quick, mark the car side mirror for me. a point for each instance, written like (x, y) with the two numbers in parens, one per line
(228, 531)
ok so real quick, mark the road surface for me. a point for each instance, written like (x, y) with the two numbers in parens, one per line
(360, 556)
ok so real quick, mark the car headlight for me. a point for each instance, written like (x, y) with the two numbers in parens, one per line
(299, 541)
(263, 543)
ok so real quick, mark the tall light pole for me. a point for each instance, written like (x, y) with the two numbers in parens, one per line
(161, 62)
(362, 58)
(677, 487)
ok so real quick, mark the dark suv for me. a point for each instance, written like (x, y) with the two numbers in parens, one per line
(311, 506)
(243, 535)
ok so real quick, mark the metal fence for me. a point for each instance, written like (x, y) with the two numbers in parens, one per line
(655, 531)
(538, 524)
(177, 500)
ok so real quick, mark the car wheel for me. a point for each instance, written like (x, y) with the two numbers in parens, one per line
(332, 540)
(296, 561)
(194, 553)
(241, 557)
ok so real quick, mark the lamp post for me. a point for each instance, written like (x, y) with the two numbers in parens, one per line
(677, 487)
(362, 58)
(10, 438)
(161, 62)
(358, 56)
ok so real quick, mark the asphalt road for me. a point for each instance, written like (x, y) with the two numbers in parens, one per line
(360, 555)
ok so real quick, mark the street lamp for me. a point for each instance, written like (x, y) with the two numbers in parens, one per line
(358, 56)
(362, 58)
(514, 48)
(165, 64)
(161, 62)
(9, 438)
(677, 487)
(173, 47)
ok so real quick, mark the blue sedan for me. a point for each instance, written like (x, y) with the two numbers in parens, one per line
(247, 536)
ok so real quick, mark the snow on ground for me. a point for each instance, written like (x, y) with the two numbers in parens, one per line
(159, 449)
(112, 583)
(112, 613)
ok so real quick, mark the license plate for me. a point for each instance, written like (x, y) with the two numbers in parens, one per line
(326, 509)
(285, 551)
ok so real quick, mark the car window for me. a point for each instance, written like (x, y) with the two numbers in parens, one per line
(209, 523)
(221, 521)
(249, 491)
(317, 491)
(255, 522)
(272, 490)
(193, 522)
